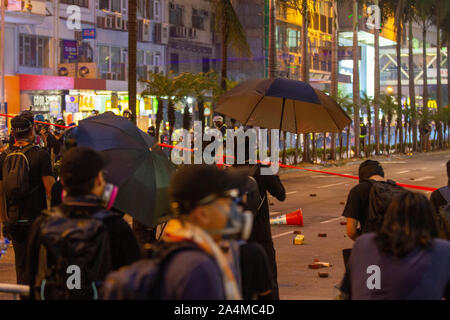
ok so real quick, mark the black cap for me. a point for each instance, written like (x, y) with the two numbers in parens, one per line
(81, 164)
(193, 183)
(370, 168)
(21, 123)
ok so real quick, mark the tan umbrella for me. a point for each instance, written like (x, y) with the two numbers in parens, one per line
(288, 105)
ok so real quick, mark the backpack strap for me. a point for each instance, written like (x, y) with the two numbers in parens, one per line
(445, 193)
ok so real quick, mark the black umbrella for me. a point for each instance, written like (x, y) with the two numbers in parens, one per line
(138, 166)
(284, 104)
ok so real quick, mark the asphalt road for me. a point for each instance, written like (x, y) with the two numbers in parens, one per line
(322, 214)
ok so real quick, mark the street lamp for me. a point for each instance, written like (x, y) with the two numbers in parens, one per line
(390, 90)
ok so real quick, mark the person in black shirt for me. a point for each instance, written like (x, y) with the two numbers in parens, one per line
(84, 187)
(357, 206)
(437, 201)
(40, 183)
(436, 198)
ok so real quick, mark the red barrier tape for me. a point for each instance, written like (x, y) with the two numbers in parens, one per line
(267, 163)
(311, 170)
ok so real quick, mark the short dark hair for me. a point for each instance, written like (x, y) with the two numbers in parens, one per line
(79, 168)
(408, 224)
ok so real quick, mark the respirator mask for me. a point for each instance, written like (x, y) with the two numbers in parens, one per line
(240, 222)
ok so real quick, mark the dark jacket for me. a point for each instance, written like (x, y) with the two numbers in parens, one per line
(124, 247)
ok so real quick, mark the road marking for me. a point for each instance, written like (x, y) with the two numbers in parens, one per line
(291, 192)
(331, 220)
(405, 171)
(282, 234)
(331, 185)
(275, 213)
(393, 162)
(424, 178)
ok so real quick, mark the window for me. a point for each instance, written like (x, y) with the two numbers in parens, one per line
(175, 15)
(80, 3)
(197, 19)
(174, 62)
(33, 51)
(145, 9)
(149, 58)
(316, 21)
(104, 5)
(293, 38)
(323, 23)
(103, 58)
(330, 25)
(112, 63)
(116, 6)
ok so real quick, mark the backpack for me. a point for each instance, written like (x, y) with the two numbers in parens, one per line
(380, 197)
(143, 279)
(74, 256)
(16, 179)
(253, 197)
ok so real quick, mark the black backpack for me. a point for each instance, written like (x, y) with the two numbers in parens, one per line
(16, 179)
(74, 256)
(252, 197)
(380, 197)
(143, 279)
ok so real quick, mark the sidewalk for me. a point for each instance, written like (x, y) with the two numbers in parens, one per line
(7, 271)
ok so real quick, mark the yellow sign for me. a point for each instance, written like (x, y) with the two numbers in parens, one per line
(432, 104)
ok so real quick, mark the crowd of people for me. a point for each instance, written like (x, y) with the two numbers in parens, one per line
(70, 243)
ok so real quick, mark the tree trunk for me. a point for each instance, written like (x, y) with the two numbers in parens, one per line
(324, 156)
(159, 117)
(297, 144)
(389, 137)
(356, 94)
(305, 71)
(425, 86)
(334, 70)
(412, 89)
(171, 117)
(272, 39)
(201, 110)
(283, 159)
(383, 127)
(314, 148)
(440, 144)
(348, 142)
(399, 26)
(376, 98)
(340, 146)
(132, 48)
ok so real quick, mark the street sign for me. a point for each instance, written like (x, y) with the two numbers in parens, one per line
(89, 33)
(70, 49)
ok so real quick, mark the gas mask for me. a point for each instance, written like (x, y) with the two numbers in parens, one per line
(108, 197)
(239, 224)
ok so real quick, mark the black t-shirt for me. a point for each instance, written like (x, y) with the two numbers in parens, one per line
(357, 206)
(437, 200)
(40, 166)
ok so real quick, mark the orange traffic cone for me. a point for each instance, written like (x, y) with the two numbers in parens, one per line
(293, 218)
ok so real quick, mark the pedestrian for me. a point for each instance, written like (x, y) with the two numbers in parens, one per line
(151, 131)
(218, 123)
(259, 204)
(26, 178)
(357, 206)
(204, 213)
(165, 139)
(404, 260)
(81, 232)
(440, 203)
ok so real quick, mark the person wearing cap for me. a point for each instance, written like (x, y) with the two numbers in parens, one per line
(218, 123)
(151, 131)
(85, 194)
(357, 205)
(41, 180)
(204, 212)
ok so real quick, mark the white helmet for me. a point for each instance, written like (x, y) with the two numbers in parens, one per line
(218, 119)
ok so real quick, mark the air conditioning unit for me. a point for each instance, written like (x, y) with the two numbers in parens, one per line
(118, 23)
(124, 25)
(109, 22)
(156, 10)
(172, 6)
(165, 33)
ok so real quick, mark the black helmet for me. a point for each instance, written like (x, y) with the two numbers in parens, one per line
(127, 114)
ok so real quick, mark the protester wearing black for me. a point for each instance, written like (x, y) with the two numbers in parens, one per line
(85, 192)
(356, 208)
(18, 213)
(438, 203)
(404, 259)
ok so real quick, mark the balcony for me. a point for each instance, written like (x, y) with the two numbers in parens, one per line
(33, 13)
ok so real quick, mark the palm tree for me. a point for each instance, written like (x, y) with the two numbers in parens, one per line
(376, 97)
(345, 102)
(231, 34)
(366, 102)
(272, 67)
(132, 49)
(334, 69)
(423, 13)
(412, 91)
(356, 102)
(388, 106)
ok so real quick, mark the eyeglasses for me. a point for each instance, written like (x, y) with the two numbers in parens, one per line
(232, 194)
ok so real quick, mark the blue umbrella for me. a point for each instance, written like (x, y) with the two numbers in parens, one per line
(138, 166)
(284, 104)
